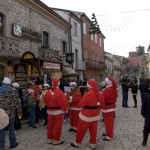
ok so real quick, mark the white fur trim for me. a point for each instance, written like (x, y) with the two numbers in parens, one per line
(50, 141)
(89, 119)
(56, 112)
(92, 146)
(78, 145)
(46, 85)
(108, 81)
(89, 86)
(75, 108)
(108, 110)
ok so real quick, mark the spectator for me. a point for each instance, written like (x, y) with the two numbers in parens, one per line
(9, 101)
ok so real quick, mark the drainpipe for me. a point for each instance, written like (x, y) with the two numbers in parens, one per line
(70, 38)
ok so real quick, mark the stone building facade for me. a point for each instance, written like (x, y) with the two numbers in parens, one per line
(93, 51)
(31, 39)
(75, 40)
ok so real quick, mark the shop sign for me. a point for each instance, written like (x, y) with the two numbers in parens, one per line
(50, 65)
(27, 33)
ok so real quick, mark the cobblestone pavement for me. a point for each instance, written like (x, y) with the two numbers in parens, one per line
(128, 133)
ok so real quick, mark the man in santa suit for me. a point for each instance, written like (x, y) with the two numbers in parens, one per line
(110, 96)
(74, 109)
(56, 103)
(91, 103)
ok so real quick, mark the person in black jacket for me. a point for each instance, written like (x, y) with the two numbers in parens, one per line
(143, 87)
(145, 112)
(134, 89)
(125, 88)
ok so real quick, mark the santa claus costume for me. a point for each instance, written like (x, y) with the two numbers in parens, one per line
(74, 109)
(91, 104)
(56, 105)
(110, 96)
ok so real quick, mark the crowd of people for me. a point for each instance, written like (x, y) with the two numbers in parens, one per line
(59, 100)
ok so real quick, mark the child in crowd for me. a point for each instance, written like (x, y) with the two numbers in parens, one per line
(31, 102)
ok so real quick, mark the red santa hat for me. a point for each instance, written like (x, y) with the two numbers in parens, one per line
(92, 84)
(55, 82)
(111, 81)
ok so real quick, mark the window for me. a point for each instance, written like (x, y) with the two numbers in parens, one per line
(45, 40)
(75, 30)
(95, 38)
(100, 42)
(1, 24)
(1, 74)
(93, 56)
(84, 28)
(64, 43)
(92, 37)
(85, 54)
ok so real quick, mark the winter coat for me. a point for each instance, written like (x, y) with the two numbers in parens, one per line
(9, 100)
(145, 111)
(134, 88)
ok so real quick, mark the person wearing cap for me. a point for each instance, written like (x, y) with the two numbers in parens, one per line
(91, 103)
(17, 118)
(42, 104)
(57, 104)
(9, 102)
(110, 96)
(31, 103)
(74, 109)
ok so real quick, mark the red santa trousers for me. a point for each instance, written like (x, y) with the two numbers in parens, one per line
(109, 123)
(54, 128)
(82, 129)
(74, 117)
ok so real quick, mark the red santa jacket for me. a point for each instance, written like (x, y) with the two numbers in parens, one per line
(74, 101)
(110, 97)
(56, 102)
(91, 106)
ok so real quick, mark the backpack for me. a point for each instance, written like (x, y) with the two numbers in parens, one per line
(4, 119)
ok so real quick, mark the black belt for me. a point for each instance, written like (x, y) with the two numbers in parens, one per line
(91, 107)
(54, 107)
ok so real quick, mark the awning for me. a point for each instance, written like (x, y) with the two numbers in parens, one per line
(68, 71)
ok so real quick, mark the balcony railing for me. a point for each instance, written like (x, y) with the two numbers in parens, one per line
(95, 65)
(80, 65)
(9, 47)
(47, 54)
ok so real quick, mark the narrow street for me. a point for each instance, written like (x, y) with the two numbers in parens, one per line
(128, 133)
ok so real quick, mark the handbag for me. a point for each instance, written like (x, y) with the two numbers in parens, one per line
(4, 119)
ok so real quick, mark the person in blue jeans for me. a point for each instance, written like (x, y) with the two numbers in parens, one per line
(125, 88)
(9, 101)
(31, 102)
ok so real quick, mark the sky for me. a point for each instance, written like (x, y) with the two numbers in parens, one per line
(125, 23)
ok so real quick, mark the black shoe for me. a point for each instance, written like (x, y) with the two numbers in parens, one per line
(103, 135)
(34, 127)
(45, 124)
(105, 139)
(61, 142)
(37, 121)
(134, 106)
(73, 145)
(11, 147)
(71, 130)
